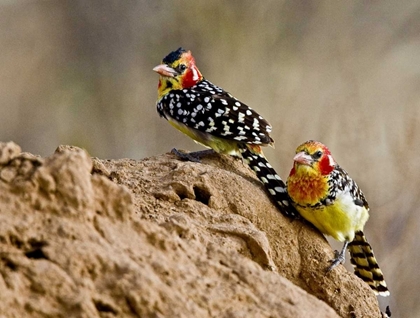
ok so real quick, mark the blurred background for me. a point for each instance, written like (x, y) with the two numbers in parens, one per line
(346, 73)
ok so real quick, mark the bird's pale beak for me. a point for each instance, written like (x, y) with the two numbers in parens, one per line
(303, 158)
(165, 70)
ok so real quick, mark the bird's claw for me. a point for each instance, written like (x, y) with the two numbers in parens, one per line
(336, 255)
(339, 258)
(185, 156)
(192, 156)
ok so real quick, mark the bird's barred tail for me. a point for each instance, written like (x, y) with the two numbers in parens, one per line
(365, 265)
(267, 175)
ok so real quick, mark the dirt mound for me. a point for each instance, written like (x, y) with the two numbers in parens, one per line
(82, 237)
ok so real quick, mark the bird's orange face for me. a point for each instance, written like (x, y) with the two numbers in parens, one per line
(308, 182)
(313, 155)
(177, 71)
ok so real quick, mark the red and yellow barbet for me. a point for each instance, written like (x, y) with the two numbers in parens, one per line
(215, 119)
(325, 195)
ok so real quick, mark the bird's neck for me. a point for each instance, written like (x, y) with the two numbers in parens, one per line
(167, 84)
(191, 77)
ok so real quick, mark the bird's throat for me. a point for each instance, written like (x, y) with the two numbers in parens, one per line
(306, 187)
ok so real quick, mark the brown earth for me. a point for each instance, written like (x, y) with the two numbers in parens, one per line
(158, 237)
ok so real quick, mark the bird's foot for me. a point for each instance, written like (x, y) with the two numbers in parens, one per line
(192, 156)
(339, 258)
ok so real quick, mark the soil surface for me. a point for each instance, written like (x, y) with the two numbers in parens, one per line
(158, 237)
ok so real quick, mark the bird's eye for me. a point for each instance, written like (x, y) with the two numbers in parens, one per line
(317, 155)
(182, 67)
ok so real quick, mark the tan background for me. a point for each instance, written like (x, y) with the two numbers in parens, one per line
(343, 72)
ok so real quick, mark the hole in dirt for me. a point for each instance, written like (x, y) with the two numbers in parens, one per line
(9, 263)
(201, 195)
(36, 254)
(182, 195)
(35, 251)
(103, 307)
(181, 190)
(15, 241)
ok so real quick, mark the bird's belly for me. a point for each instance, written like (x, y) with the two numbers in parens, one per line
(337, 220)
(218, 144)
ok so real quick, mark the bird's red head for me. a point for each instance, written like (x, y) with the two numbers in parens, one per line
(308, 179)
(313, 157)
(177, 71)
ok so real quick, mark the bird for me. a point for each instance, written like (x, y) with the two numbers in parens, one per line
(215, 119)
(326, 196)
